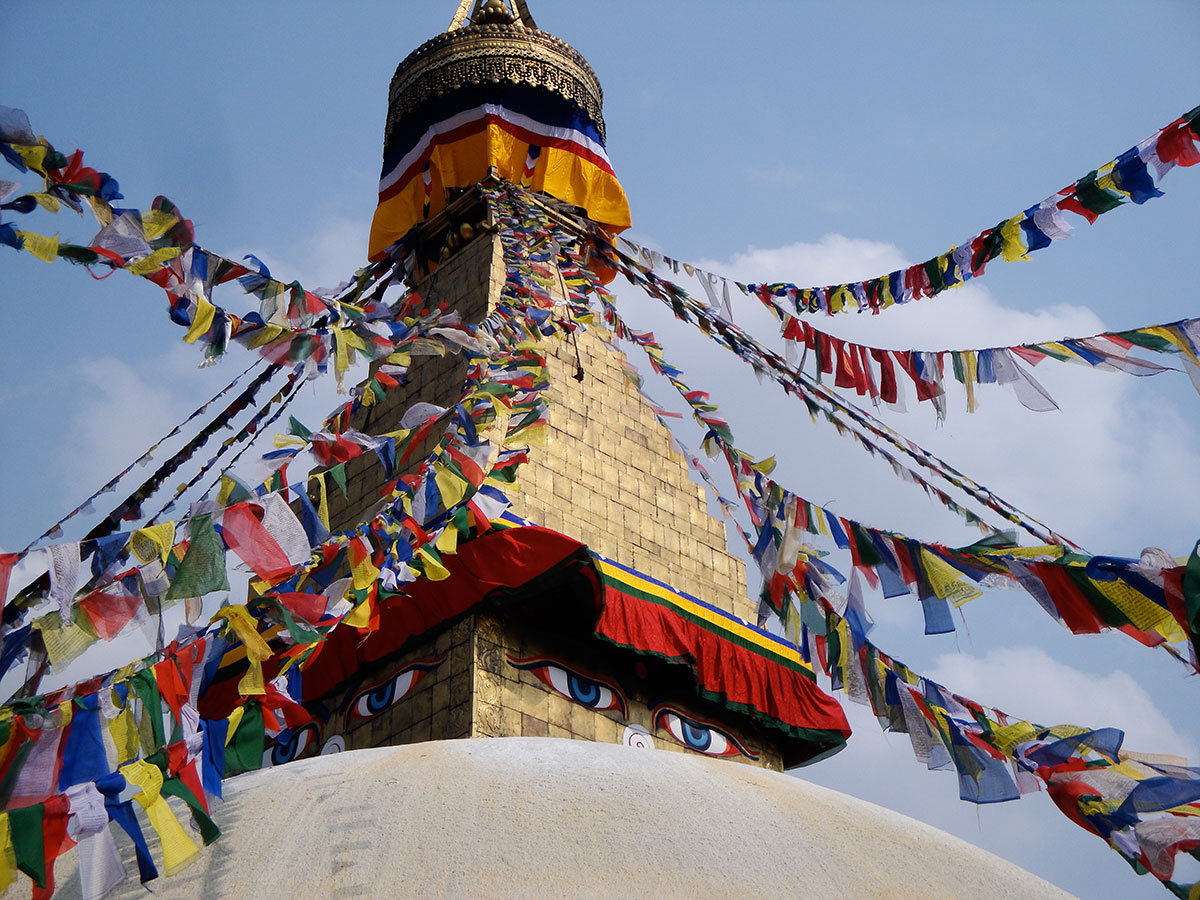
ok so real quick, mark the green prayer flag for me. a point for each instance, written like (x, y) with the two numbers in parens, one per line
(1191, 593)
(868, 553)
(1095, 198)
(933, 268)
(202, 570)
(145, 685)
(339, 476)
(25, 826)
(298, 429)
(1148, 341)
(244, 752)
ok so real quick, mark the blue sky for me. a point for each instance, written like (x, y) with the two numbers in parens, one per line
(771, 140)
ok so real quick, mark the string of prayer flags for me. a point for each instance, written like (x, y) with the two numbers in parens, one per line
(995, 757)
(408, 534)
(878, 373)
(1143, 598)
(818, 399)
(86, 505)
(292, 324)
(447, 482)
(1146, 807)
(1131, 177)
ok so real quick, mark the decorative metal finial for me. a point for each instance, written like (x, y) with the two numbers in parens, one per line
(491, 12)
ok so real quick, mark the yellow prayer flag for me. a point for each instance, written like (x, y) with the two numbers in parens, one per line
(447, 541)
(765, 466)
(1006, 737)
(33, 155)
(352, 339)
(265, 335)
(360, 616)
(154, 261)
(434, 570)
(101, 210)
(64, 641)
(123, 730)
(157, 222)
(177, 848)
(364, 574)
(1144, 613)
(44, 248)
(822, 521)
(452, 488)
(235, 719)
(243, 625)
(201, 321)
(48, 202)
(153, 542)
(1012, 247)
(970, 360)
(66, 712)
(946, 581)
(1172, 334)
(323, 500)
(341, 354)
(253, 684)
(8, 856)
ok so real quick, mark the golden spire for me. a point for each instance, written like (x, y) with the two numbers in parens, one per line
(500, 12)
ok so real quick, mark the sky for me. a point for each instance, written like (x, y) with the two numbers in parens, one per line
(792, 141)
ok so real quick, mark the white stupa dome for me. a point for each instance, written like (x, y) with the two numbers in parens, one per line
(544, 817)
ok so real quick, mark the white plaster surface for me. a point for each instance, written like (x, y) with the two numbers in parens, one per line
(544, 817)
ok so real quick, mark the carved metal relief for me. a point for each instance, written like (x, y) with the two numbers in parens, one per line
(492, 54)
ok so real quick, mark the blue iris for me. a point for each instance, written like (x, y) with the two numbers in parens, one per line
(289, 744)
(698, 737)
(380, 699)
(583, 690)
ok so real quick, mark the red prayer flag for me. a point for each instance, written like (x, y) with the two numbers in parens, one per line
(244, 534)
(1177, 144)
(7, 561)
(110, 608)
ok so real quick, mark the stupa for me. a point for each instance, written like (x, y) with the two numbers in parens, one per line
(604, 608)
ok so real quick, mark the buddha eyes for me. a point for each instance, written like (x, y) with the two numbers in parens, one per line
(698, 736)
(577, 688)
(372, 701)
(291, 744)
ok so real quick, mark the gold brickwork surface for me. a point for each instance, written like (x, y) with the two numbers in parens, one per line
(608, 475)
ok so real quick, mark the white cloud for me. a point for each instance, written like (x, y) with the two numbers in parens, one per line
(118, 411)
(325, 257)
(1027, 682)
(1116, 469)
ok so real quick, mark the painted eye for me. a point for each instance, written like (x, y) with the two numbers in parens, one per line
(698, 736)
(290, 744)
(577, 688)
(381, 697)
